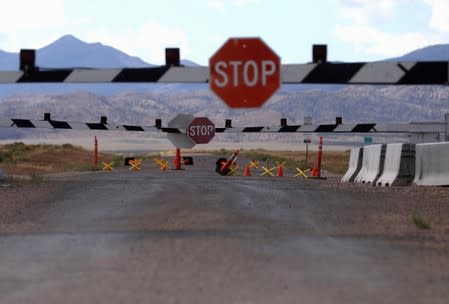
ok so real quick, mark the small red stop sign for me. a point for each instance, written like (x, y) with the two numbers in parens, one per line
(244, 72)
(201, 130)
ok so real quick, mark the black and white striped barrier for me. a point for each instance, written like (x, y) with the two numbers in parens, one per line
(67, 125)
(413, 127)
(319, 71)
(389, 73)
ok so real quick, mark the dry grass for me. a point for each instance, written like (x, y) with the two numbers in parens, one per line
(332, 161)
(32, 160)
(21, 159)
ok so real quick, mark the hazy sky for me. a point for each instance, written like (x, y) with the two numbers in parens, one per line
(355, 30)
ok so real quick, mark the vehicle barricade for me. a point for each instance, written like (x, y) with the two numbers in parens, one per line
(355, 164)
(432, 164)
(399, 165)
(372, 165)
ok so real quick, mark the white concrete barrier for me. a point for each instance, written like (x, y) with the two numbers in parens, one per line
(391, 165)
(355, 164)
(372, 164)
(432, 164)
(399, 165)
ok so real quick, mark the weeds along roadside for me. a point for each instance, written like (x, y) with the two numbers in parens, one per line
(42, 158)
(19, 159)
(332, 161)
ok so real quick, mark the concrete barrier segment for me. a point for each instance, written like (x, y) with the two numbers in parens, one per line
(391, 165)
(355, 164)
(372, 164)
(432, 164)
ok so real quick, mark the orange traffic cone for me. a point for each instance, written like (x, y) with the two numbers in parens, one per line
(247, 172)
(280, 172)
(315, 172)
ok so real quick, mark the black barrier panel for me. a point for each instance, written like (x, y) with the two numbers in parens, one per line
(128, 159)
(96, 126)
(187, 160)
(333, 73)
(59, 124)
(289, 128)
(133, 128)
(326, 128)
(46, 76)
(426, 73)
(252, 129)
(220, 130)
(23, 123)
(171, 130)
(362, 128)
(140, 74)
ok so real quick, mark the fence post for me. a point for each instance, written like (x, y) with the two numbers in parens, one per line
(95, 151)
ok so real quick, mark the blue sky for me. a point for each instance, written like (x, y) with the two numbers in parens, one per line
(354, 30)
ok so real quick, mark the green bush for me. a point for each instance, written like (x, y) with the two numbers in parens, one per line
(419, 221)
(67, 146)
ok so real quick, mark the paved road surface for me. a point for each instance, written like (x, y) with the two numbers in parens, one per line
(196, 237)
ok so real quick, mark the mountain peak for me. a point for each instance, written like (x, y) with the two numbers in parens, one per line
(69, 51)
(68, 37)
(67, 40)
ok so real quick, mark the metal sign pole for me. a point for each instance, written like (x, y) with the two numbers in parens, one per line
(307, 154)
(446, 119)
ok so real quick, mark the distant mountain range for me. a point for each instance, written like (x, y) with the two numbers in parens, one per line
(142, 103)
(439, 52)
(69, 51)
(362, 104)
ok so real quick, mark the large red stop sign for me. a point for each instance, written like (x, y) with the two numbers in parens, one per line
(201, 130)
(244, 72)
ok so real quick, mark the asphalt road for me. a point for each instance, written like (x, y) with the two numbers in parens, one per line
(193, 236)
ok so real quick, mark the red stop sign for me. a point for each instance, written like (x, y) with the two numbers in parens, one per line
(201, 130)
(244, 72)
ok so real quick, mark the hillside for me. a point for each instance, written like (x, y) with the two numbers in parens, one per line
(69, 51)
(438, 52)
(82, 54)
(353, 103)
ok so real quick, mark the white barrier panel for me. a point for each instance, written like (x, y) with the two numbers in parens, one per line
(371, 165)
(355, 164)
(391, 165)
(432, 164)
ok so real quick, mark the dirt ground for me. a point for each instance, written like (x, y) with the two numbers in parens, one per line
(193, 236)
(392, 219)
